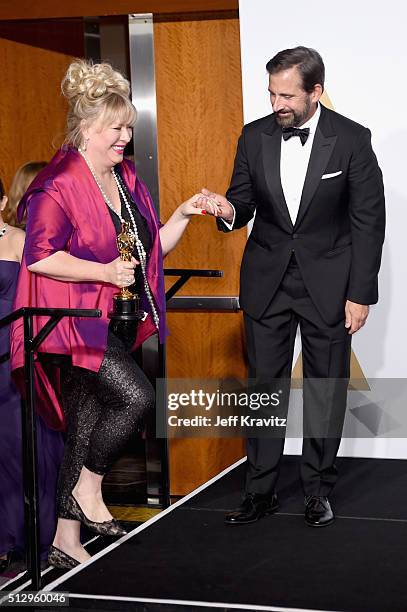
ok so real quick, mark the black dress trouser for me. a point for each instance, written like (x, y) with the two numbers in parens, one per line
(326, 351)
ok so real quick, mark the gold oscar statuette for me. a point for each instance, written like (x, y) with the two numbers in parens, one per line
(125, 303)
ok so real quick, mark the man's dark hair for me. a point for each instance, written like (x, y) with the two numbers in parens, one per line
(1, 190)
(309, 64)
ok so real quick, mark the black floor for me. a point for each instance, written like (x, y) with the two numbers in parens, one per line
(359, 564)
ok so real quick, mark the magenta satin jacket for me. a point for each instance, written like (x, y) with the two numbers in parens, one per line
(66, 211)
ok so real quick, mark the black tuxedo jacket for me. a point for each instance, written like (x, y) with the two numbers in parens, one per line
(339, 231)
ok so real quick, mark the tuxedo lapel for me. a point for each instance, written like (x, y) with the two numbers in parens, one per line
(321, 152)
(271, 146)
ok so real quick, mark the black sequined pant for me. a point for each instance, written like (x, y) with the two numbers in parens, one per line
(103, 410)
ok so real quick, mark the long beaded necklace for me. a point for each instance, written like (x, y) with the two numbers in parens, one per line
(141, 253)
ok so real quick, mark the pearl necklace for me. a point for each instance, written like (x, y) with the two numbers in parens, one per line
(141, 253)
(3, 230)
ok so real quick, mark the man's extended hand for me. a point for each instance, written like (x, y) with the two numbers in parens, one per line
(216, 205)
(355, 316)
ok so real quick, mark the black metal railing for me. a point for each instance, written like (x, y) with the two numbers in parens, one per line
(31, 345)
(184, 275)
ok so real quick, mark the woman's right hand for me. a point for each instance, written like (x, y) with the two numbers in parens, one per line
(120, 273)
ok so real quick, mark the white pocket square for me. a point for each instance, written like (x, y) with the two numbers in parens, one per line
(326, 176)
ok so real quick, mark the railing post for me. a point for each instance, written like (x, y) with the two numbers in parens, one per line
(30, 468)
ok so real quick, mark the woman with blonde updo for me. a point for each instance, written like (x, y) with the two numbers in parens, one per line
(74, 213)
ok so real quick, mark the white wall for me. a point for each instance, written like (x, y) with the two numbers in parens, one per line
(365, 55)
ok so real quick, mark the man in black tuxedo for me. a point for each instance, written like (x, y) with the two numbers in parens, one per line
(312, 259)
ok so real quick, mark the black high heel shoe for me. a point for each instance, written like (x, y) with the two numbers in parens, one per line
(57, 558)
(107, 528)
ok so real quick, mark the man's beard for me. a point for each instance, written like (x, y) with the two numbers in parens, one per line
(294, 118)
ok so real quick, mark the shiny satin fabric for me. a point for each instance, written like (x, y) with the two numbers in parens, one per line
(66, 211)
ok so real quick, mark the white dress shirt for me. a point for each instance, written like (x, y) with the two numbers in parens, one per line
(294, 160)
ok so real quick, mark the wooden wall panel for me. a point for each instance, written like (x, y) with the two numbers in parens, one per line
(200, 116)
(33, 112)
(199, 104)
(26, 9)
(204, 345)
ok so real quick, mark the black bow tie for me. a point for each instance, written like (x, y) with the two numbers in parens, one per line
(293, 131)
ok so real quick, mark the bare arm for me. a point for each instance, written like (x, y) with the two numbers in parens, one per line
(17, 241)
(171, 232)
(65, 267)
(48, 232)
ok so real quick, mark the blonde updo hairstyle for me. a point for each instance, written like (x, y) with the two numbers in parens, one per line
(93, 92)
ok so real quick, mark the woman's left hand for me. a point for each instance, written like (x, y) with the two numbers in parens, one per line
(197, 205)
(171, 232)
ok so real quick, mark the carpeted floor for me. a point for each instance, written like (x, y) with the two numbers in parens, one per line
(355, 565)
(359, 564)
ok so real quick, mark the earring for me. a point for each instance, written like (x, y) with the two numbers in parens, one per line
(85, 144)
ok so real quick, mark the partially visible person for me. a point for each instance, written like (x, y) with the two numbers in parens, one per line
(19, 185)
(50, 442)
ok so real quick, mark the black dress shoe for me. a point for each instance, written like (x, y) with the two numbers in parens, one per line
(57, 558)
(253, 507)
(318, 511)
(106, 528)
